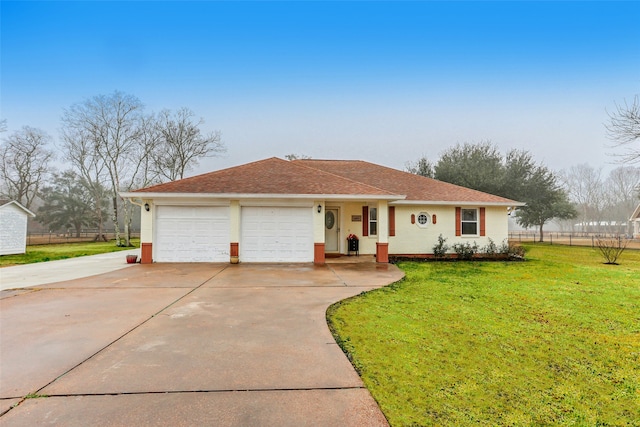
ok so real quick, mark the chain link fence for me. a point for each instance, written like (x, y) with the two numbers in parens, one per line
(570, 239)
(48, 238)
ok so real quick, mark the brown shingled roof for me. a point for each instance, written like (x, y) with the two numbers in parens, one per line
(415, 187)
(269, 176)
(324, 177)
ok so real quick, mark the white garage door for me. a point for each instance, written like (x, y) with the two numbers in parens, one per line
(192, 234)
(276, 234)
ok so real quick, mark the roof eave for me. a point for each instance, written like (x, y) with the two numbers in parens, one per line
(27, 211)
(458, 203)
(162, 195)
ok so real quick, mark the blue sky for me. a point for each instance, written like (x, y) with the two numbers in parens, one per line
(380, 81)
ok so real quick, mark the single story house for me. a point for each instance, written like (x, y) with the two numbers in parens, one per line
(275, 210)
(13, 227)
(635, 220)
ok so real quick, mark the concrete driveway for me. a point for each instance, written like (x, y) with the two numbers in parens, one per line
(21, 276)
(185, 344)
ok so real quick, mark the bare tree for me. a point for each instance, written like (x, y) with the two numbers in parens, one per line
(584, 186)
(293, 156)
(624, 129)
(621, 187)
(109, 137)
(422, 167)
(604, 204)
(3, 125)
(182, 143)
(112, 125)
(611, 248)
(149, 142)
(24, 163)
(79, 149)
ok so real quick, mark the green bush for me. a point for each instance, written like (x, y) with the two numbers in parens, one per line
(440, 249)
(465, 251)
(490, 249)
(511, 249)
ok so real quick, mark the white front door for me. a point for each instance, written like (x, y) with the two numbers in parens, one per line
(331, 230)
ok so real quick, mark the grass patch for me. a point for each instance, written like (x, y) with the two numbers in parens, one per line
(35, 396)
(551, 341)
(41, 253)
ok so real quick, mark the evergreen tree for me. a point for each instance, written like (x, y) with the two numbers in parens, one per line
(69, 204)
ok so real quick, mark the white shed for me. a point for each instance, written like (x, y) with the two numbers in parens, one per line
(635, 220)
(13, 227)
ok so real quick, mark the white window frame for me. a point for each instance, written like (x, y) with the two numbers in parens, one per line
(476, 221)
(370, 220)
(428, 219)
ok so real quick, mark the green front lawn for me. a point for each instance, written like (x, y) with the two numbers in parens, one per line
(40, 253)
(554, 340)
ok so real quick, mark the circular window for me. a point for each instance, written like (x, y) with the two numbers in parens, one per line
(423, 219)
(329, 220)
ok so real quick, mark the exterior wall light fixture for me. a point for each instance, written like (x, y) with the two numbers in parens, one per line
(319, 208)
(146, 207)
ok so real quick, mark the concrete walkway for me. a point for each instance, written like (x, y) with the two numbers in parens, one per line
(22, 276)
(185, 344)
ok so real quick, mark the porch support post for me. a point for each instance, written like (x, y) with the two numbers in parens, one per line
(318, 253)
(382, 245)
(146, 233)
(318, 231)
(146, 253)
(234, 231)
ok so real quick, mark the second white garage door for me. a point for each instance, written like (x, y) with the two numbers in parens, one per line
(276, 234)
(192, 234)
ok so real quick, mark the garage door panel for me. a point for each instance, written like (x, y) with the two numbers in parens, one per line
(192, 234)
(276, 234)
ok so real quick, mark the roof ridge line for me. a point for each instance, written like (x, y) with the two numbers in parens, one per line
(213, 172)
(413, 175)
(348, 179)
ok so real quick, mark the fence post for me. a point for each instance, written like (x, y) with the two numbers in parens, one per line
(551, 238)
(569, 239)
(592, 243)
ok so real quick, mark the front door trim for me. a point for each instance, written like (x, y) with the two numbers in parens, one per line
(332, 235)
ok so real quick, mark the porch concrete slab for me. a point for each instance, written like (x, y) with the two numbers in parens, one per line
(275, 275)
(179, 275)
(347, 408)
(47, 332)
(224, 339)
(366, 274)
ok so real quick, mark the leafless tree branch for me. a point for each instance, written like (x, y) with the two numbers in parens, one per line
(24, 163)
(111, 125)
(623, 129)
(182, 143)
